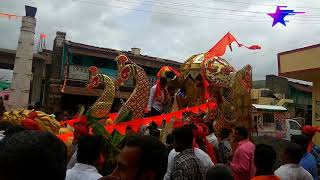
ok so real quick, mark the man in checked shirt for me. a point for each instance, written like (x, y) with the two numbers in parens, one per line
(186, 165)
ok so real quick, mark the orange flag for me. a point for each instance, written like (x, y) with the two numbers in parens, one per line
(220, 48)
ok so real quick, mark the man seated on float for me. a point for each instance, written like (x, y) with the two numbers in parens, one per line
(159, 98)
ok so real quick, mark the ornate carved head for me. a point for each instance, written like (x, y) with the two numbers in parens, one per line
(218, 72)
(94, 80)
(124, 71)
(121, 61)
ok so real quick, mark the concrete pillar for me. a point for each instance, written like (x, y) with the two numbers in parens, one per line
(22, 71)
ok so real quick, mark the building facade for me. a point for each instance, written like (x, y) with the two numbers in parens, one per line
(296, 97)
(300, 94)
(68, 70)
(304, 64)
(7, 61)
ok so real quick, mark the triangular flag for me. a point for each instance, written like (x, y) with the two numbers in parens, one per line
(135, 126)
(167, 117)
(195, 110)
(109, 128)
(178, 114)
(121, 128)
(203, 107)
(157, 120)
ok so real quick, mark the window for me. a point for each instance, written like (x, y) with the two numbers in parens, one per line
(294, 125)
(6, 97)
(105, 63)
(76, 60)
(268, 118)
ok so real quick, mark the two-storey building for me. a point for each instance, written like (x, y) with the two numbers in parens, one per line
(68, 70)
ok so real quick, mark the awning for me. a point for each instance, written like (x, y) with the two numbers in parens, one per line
(269, 107)
(284, 101)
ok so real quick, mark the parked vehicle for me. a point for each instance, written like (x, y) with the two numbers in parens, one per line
(292, 128)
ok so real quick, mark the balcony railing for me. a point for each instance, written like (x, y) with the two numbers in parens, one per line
(80, 73)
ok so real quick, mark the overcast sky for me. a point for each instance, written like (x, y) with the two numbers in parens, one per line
(195, 27)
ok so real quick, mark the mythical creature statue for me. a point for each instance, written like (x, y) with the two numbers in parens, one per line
(101, 108)
(37, 119)
(134, 107)
(228, 87)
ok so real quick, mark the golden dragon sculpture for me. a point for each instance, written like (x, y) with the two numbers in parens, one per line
(101, 108)
(43, 121)
(134, 107)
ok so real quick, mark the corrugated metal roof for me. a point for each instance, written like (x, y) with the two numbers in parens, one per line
(301, 87)
(269, 107)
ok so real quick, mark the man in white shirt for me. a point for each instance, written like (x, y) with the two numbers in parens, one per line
(201, 155)
(291, 170)
(88, 154)
(159, 97)
(211, 137)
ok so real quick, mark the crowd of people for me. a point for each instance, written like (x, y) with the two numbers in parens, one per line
(26, 154)
(193, 151)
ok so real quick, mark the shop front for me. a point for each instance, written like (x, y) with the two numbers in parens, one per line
(304, 64)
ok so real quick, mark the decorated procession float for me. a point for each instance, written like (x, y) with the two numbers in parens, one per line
(214, 93)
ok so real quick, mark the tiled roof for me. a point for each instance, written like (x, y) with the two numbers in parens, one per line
(101, 49)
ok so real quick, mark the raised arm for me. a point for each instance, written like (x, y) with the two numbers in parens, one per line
(151, 97)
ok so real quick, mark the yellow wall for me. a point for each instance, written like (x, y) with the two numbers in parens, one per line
(257, 99)
(305, 60)
(315, 98)
(301, 60)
